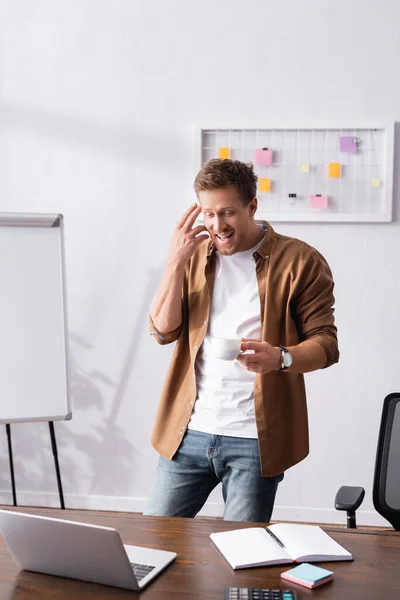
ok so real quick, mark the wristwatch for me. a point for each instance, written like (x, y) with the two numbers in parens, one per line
(286, 358)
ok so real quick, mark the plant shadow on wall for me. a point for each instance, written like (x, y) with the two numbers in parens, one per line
(110, 438)
(108, 458)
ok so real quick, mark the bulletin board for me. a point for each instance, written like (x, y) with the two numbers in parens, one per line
(333, 174)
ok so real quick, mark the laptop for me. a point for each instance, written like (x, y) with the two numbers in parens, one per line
(79, 551)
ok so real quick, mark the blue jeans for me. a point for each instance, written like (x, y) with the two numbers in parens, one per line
(183, 484)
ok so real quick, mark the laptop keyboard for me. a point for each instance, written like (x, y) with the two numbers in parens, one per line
(141, 570)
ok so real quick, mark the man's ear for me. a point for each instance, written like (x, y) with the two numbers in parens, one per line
(253, 207)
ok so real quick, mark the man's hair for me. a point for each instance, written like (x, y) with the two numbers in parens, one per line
(220, 173)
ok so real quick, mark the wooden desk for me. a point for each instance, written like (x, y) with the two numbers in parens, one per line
(200, 572)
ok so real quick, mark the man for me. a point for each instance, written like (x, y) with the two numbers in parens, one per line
(241, 422)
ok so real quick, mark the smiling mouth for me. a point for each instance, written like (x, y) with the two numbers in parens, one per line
(224, 238)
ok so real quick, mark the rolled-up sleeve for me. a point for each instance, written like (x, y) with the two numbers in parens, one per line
(167, 337)
(314, 312)
(164, 337)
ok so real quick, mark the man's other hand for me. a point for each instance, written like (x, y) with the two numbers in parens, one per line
(263, 359)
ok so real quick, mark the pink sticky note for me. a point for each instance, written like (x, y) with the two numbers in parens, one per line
(264, 157)
(347, 144)
(319, 201)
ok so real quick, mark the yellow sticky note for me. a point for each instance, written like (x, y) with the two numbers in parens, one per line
(334, 170)
(264, 184)
(305, 168)
(224, 152)
(376, 182)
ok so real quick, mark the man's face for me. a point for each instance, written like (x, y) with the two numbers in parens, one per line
(227, 219)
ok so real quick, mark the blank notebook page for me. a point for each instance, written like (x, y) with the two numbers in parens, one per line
(307, 540)
(248, 546)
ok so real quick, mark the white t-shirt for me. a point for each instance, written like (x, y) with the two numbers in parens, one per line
(225, 389)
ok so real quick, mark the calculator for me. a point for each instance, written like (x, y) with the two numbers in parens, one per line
(233, 593)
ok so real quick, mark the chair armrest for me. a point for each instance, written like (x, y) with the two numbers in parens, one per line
(349, 497)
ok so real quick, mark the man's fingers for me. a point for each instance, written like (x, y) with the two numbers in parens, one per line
(248, 359)
(194, 207)
(250, 345)
(254, 369)
(251, 362)
(201, 238)
(191, 218)
(245, 360)
(199, 229)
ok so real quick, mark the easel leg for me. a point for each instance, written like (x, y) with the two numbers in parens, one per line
(54, 448)
(10, 456)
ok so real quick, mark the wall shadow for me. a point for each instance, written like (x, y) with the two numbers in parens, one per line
(145, 145)
(111, 456)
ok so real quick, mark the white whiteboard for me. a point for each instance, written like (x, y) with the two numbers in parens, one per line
(299, 171)
(33, 344)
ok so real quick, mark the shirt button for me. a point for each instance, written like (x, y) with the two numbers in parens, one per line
(205, 322)
(196, 347)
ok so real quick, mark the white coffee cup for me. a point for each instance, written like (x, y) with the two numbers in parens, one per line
(225, 348)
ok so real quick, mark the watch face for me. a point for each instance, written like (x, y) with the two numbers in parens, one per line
(287, 359)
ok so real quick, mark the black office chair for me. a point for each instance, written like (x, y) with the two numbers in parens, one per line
(386, 491)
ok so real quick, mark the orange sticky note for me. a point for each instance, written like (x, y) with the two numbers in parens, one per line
(334, 170)
(264, 184)
(224, 152)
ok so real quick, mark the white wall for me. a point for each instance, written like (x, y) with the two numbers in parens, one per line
(97, 102)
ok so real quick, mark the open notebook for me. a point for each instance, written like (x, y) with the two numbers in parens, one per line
(277, 545)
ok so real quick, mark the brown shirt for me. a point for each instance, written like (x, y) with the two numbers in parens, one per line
(296, 298)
